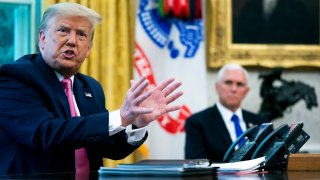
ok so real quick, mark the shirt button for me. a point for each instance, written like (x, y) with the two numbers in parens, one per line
(132, 134)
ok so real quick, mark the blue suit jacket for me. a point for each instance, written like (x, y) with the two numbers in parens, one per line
(207, 136)
(37, 132)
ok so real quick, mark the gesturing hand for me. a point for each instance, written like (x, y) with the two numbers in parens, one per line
(159, 101)
(131, 109)
(142, 107)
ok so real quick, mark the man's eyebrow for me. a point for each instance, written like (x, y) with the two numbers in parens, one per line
(63, 26)
(81, 30)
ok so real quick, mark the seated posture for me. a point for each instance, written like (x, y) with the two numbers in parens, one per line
(53, 118)
(210, 133)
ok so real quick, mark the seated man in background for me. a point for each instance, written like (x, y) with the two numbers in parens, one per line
(210, 133)
(53, 118)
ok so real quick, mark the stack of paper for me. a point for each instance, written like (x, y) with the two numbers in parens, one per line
(241, 166)
(160, 168)
(181, 168)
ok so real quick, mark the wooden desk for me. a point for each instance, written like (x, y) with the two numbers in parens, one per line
(304, 162)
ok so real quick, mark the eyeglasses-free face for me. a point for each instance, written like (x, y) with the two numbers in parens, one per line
(232, 89)
(66, 43)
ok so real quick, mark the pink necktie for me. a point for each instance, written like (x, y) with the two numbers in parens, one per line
(81, 159)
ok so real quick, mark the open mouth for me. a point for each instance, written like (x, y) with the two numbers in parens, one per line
(69, 54)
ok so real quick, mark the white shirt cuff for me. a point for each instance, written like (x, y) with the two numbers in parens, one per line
(134, 136)
(115, 122)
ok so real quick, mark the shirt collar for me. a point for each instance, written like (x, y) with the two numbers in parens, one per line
(227, 114)
(61, 77)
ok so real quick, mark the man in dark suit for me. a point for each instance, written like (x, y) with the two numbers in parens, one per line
(42, 126)
(210, 133)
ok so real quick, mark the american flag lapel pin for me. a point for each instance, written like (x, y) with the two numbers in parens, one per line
(88, 94)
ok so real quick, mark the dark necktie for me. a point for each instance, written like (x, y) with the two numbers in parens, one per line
(238, 129)
(81, 159)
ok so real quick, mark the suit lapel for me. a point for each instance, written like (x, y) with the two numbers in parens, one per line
(222, 129)
(84, 98)
(54, 84)
(247, 120)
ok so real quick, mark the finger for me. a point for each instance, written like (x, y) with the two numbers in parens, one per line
(142, 97)
(134, 84)
(140, 89)
(172, 108)
(142, 110)
(165, 83)
(168, 90)
(173, 97)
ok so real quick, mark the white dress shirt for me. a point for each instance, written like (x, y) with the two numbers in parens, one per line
(226, 116)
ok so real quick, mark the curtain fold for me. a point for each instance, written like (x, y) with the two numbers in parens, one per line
(110, 60)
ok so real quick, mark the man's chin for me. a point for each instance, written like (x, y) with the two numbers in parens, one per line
(233, 106)
(68, 70)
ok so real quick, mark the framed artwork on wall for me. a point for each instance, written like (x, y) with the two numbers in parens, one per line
(263, 33)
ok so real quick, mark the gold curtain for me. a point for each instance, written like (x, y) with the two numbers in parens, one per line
(110, 60)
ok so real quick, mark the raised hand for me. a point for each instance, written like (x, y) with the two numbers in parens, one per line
(131, 108)
(159, 100)
(142, 107)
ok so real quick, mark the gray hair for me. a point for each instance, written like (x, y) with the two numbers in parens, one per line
(231, 66)
(69, 9)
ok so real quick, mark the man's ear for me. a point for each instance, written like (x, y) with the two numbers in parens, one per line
(42, 38)
(89, 49)
(216, 87)
(247, 90)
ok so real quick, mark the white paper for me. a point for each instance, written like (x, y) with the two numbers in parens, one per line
(247, 165)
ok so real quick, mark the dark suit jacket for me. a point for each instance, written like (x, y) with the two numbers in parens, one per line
(37, 132)
(207, 136)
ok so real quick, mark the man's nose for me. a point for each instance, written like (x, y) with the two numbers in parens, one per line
(234, 86)
(71, 39)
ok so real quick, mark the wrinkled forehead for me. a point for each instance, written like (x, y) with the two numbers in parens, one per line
(65, 19)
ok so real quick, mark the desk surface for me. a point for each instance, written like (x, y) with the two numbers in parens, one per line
(295, 175)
